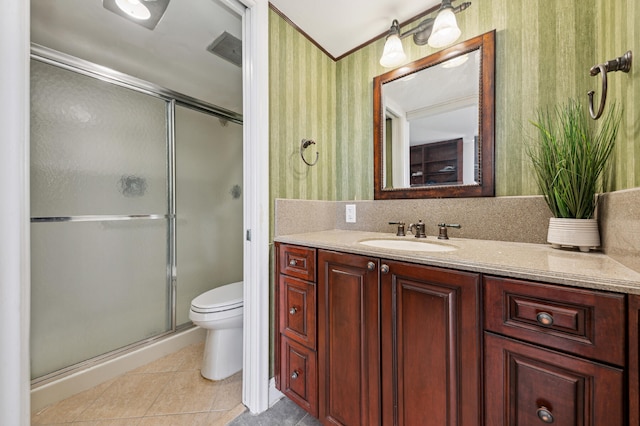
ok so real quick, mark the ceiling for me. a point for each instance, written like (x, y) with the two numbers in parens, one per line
(174, 54)
(342, 25)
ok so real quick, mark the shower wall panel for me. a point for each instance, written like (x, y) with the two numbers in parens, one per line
(209, 205)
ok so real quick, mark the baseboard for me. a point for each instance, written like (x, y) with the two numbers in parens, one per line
(65, 387)
(274, 394)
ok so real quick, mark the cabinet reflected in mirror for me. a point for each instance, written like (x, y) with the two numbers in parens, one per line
(434, 124)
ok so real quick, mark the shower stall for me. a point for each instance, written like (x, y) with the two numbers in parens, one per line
(136, 208)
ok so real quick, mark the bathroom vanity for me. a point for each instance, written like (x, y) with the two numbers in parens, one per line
(487, 333)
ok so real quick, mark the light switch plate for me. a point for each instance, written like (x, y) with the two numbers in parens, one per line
(350, 213)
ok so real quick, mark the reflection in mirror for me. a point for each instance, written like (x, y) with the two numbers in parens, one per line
(434, 125)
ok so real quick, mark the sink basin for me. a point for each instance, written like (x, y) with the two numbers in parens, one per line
(410, 245)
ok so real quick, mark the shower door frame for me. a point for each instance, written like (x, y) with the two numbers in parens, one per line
(171, 99)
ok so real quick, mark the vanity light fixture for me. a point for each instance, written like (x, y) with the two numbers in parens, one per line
(439, 32)
(143, 12)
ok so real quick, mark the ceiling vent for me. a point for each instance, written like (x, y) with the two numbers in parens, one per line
(227, 47)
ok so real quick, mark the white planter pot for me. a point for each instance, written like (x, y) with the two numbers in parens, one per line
(581, 233)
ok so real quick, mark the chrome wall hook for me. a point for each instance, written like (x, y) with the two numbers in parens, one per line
(304, 144)
(621, 63)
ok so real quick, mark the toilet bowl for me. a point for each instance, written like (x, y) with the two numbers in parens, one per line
(219, 311)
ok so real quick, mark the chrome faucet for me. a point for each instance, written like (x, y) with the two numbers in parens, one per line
(400, 232)
(442, 235)
(418, 229)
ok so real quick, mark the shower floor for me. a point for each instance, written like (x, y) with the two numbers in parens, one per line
(169, 391)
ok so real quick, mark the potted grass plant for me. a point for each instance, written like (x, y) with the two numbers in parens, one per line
(570, 157)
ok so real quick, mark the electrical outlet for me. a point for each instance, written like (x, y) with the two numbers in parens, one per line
(350, 213)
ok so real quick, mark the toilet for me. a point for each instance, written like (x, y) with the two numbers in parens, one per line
(219, 311)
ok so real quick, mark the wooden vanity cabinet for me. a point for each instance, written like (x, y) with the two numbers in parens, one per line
(431, 357)
(368, 341)
(553, 355)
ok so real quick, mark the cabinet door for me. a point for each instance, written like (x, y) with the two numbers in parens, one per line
(431, 332)
(634, 360)
(348, 339)
(299, 375)
(526, 385)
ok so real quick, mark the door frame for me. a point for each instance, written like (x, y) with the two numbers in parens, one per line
(255, 69)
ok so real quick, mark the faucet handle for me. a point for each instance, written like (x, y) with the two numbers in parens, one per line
(418, 229)
(442, 235)
(400, 232)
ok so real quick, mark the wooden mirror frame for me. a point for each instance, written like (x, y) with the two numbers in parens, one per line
(486, 185)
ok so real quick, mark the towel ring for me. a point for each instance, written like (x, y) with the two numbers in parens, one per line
(304, 144)
(621, 63)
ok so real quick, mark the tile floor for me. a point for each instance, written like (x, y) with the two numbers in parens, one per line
(283, 413)
(169, 391)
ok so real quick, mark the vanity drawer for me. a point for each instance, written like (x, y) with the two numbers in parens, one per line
(298, 310)
(296, 261)
(299, 375)
(580, 321)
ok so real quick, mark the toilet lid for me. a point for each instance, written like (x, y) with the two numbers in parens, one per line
(219, 299)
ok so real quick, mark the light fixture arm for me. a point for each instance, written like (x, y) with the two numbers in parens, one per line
(422, 31)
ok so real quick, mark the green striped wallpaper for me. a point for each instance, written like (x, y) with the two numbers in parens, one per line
(302, 105)
(544, 51)
(618, 24)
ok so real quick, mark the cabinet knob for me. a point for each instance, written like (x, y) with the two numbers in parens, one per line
(292, 262)
(371, 266)
(293, 310)
(544, 318)
(545, 415)
(295, 374)
(384, 268)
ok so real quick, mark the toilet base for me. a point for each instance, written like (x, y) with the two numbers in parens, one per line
(222, 353)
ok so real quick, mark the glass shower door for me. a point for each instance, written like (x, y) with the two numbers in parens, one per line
(99, 218)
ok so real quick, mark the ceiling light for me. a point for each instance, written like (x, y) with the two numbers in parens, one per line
(439, 32)
(393, 54)
(445, 28)
(134, 8)
(143, 12)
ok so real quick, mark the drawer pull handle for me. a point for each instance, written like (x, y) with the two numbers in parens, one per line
(293, 310)
(371, 266)
(384, 269)
(295, 374)
(545, 415)
(293, 262)
(544, 318)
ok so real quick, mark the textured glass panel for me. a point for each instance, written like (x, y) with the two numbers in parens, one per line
(209, 205)
(96, 286)
(96, 148)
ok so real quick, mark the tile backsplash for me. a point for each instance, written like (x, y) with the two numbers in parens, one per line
(619, 214)
(523, 219)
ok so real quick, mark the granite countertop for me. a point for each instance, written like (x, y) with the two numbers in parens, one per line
(537, 262)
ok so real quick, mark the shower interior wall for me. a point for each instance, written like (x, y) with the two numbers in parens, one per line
(104, 157)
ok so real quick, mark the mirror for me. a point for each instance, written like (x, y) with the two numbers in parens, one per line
(434, 124)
